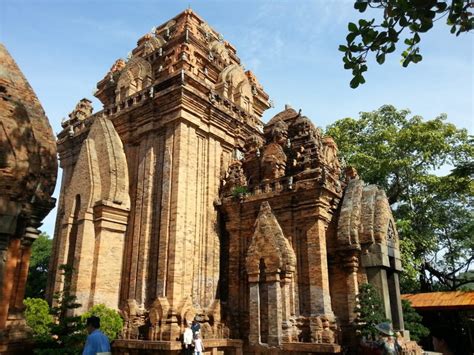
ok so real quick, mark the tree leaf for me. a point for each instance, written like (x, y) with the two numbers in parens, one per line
(381, 58)
(343, 48)
(361, 5)
(354, 82)
(352, 27)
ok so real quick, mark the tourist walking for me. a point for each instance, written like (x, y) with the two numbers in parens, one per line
(387, 343)
(97, 342)
(198, 345)
(195, 327)
(188, 340)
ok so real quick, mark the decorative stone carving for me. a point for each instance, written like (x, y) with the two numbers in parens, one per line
(269, 257)
(273, 162)
(234, 85)
(136, 76)
(350, 173)
(269, 243)
(277, 132)
(273, 157)
(327, 335)
(117, 66)
(219, 51)
(253, 144)
(305, 141)
(330, 156)
(82, 111)
(253, 80)
(135, 318)
(158, 314)
(235, 177)
(316, 326)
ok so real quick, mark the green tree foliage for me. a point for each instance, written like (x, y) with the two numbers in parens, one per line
(56, 331)
(38, 317)
(239, 191)
(434, 213)
(111, 323)
(38, 269)
(66, 333)
(399, 16)
(412, 322)
(369, 312)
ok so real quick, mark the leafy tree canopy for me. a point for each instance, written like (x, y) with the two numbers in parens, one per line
(110, 321)
(399, 16)
(56, 330)
(412, 322)
(434, 213)
(38, 269)
(66, 334)
(37, 316)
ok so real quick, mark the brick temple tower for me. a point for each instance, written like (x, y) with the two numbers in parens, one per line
(178, 204)
(136, 216)
(28, 169)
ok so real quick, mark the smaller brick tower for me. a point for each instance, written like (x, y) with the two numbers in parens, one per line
(300, 241)
(28, 169)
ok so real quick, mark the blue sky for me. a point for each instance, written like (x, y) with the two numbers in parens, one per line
(65, 47)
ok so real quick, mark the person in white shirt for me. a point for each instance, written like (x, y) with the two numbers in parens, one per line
(188, 340)
(198, 345)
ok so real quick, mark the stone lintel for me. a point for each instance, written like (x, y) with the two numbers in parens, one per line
(377, 256)
(272, 276)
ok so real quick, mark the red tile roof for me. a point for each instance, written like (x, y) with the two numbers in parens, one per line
(441, 300)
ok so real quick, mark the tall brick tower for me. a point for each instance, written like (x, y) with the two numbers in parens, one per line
(136, 215)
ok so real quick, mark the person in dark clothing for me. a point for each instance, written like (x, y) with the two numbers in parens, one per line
(195, 327)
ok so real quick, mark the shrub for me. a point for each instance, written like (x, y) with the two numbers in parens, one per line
(65, 334)
(37, 316)
(413, 322)
(239, 191)
(111, 323)
(370, 311)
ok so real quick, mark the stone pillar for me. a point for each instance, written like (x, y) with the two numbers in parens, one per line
(286, 312)
(110, 222)
(395, 301)
(13, 257)
(31, 234)
(9, 212)
(320, 299)
(351, 265)
(274, 309)
(7, 264)
(254, 310)
(171, 329)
